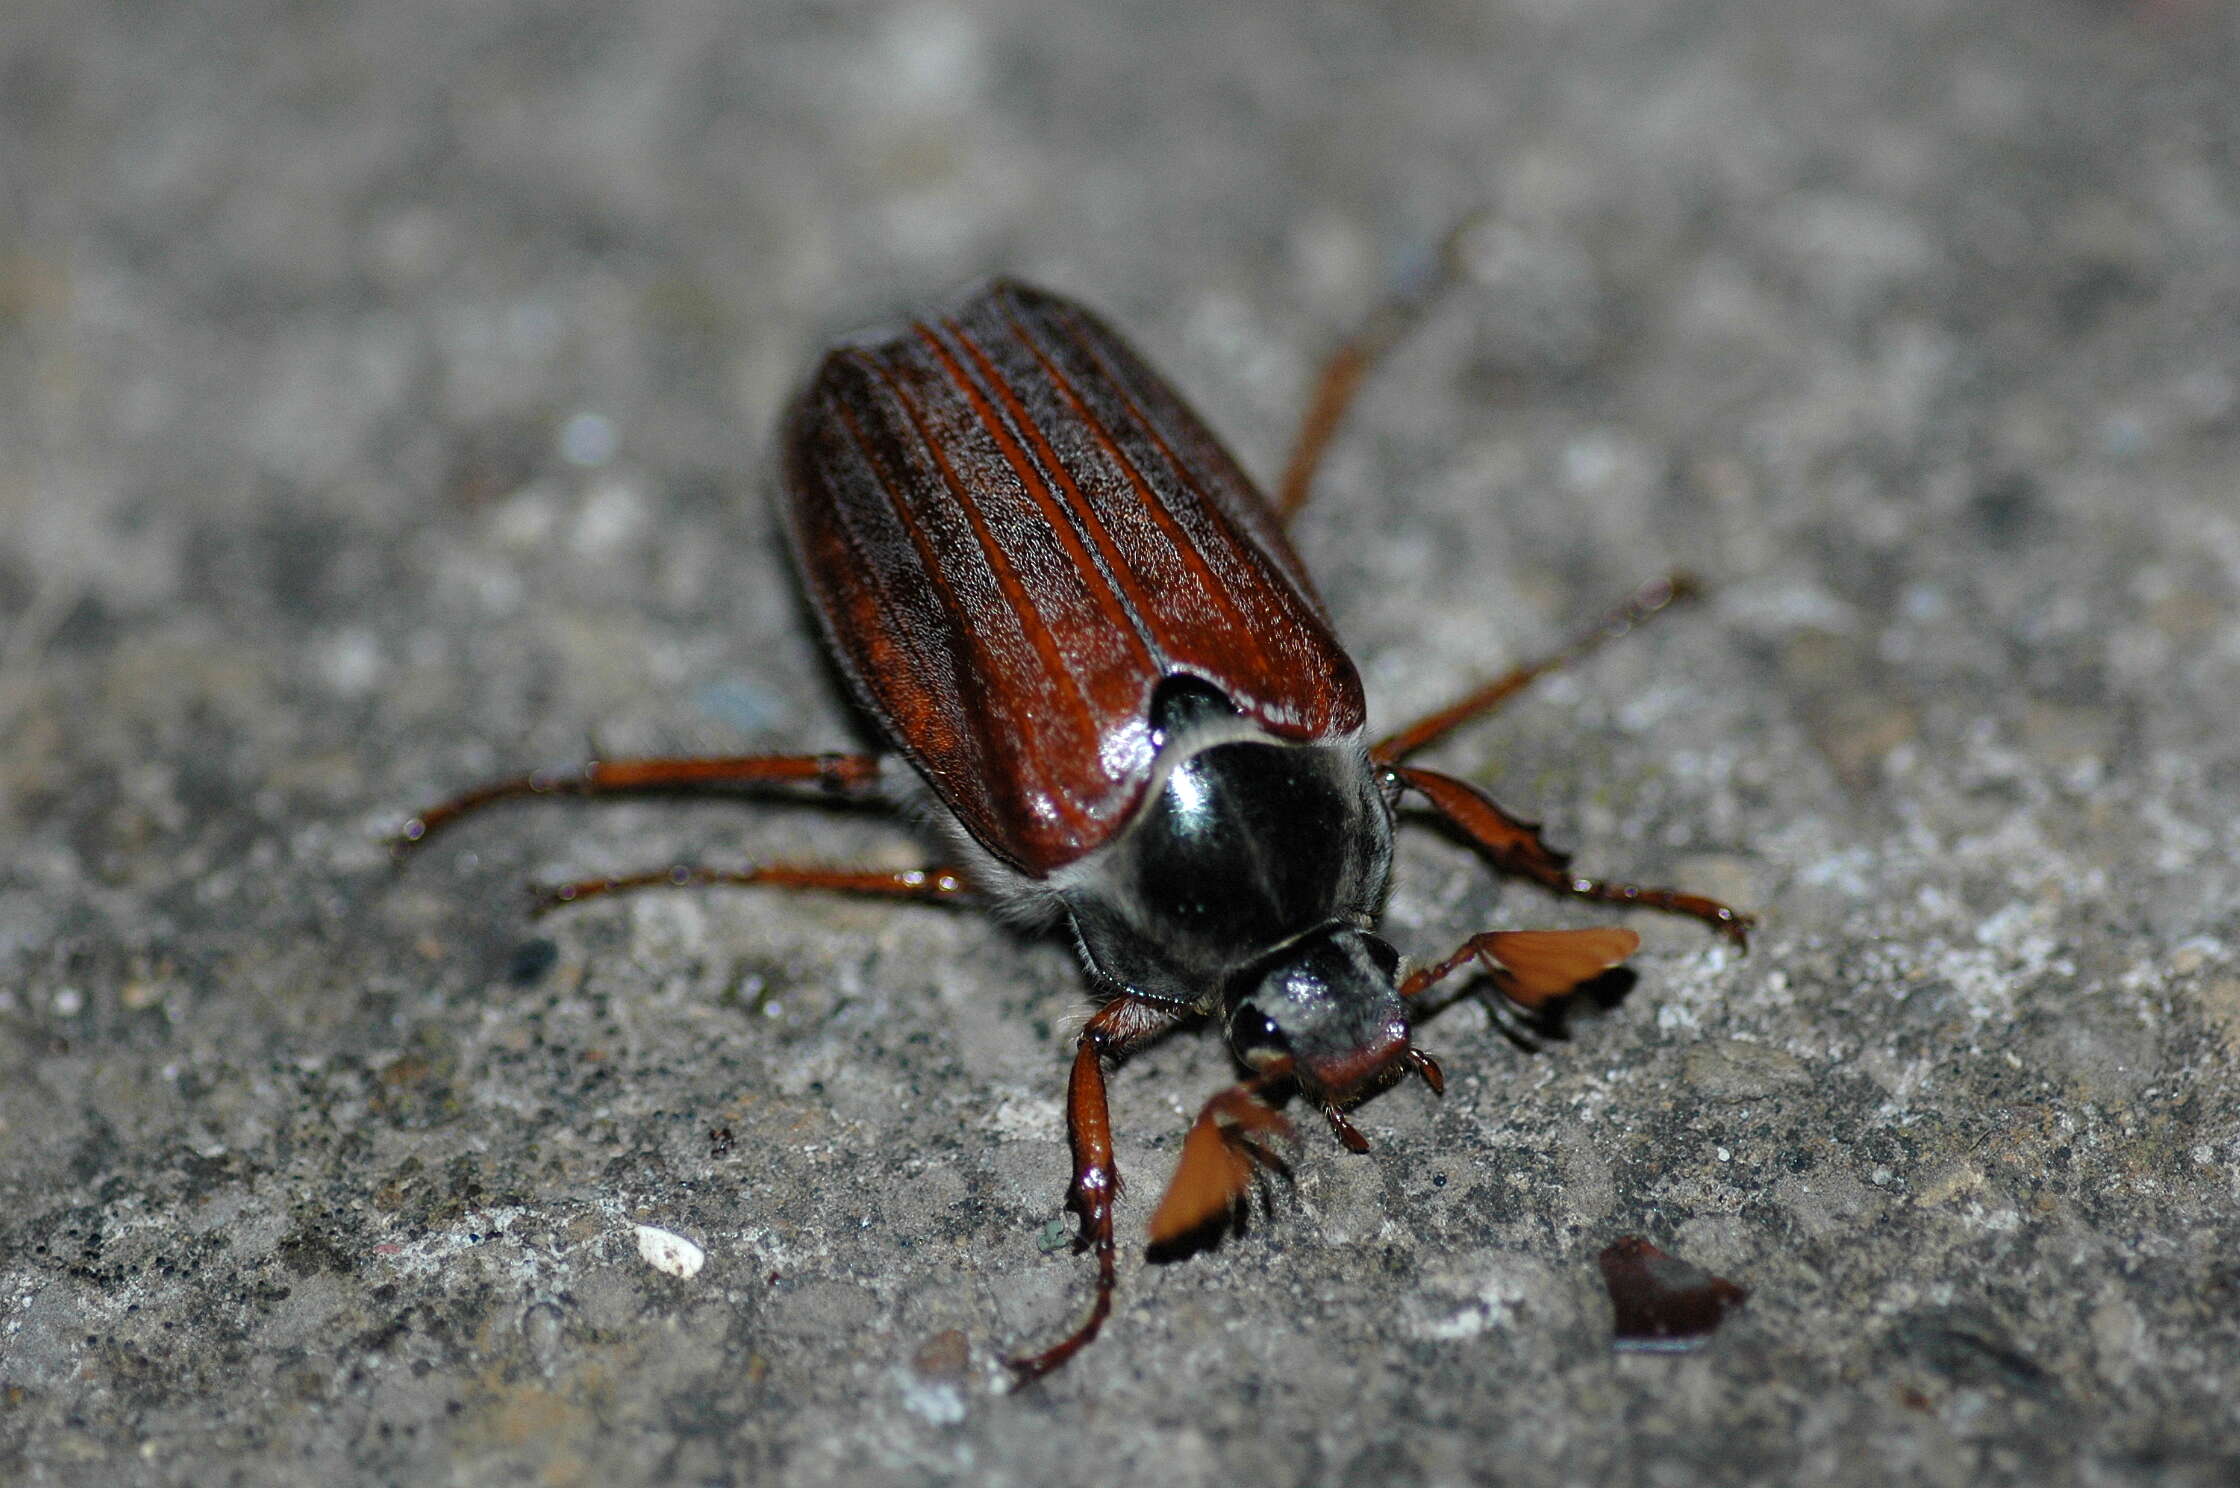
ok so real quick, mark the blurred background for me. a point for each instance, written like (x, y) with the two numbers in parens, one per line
(385, 401)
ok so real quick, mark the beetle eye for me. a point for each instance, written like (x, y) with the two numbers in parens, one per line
(1252, 1031)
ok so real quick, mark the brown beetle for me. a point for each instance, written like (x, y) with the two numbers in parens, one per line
(1123, 705)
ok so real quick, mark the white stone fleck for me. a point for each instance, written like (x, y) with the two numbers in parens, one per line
(667, 1251)
(588, 439)
(934, 1401)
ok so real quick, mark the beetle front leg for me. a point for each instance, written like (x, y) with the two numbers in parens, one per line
(1118, 1026)
(1096, 1183)
(1515, 847)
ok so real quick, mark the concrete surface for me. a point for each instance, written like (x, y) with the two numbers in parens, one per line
(384, 397)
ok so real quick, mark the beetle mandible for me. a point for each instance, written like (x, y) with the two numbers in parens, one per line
(1105, 676)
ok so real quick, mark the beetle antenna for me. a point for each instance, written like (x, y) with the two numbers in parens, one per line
(1219, 1153)
(1346, 1131)
(1427, 1067)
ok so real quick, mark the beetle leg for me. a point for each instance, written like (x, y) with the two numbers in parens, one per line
(1637, 607)
(838, 773)
(904, 883)
(1344, 370)
(1515, 847)
(1117, 1027)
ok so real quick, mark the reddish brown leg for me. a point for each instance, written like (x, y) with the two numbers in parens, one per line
(1118, 1026)
(1346, 368)
(1639, 606)
(904, 883)
(1515, 847)
(834, 772)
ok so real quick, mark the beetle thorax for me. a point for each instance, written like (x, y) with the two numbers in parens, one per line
(1242, 844)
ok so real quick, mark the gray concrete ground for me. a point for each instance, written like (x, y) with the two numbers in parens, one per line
(384, 397)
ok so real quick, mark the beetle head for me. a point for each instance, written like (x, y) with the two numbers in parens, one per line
(1328, 1002)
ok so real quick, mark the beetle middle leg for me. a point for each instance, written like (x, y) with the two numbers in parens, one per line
(838, 774)
(1515, 846)
(1119, 1026)
(1645, 602)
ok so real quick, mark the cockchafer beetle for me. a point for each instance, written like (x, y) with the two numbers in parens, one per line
(1124, 707)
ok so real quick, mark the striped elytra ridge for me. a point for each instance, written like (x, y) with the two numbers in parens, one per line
(1013, 531)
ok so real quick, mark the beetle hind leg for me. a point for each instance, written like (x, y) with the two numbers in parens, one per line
(834, 774)
(839, 774)
(1343, 371)
(904, 883)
